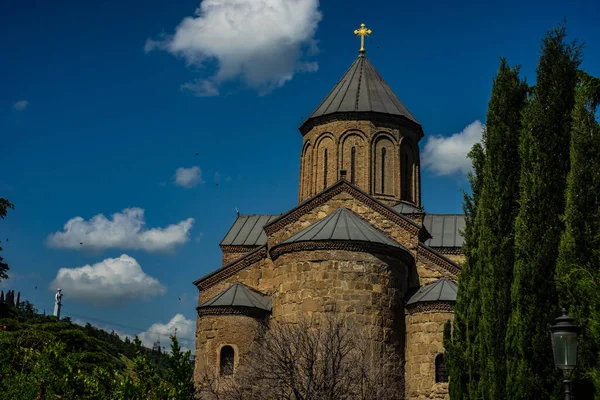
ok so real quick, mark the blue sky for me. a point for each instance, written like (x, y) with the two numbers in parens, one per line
(101, 105)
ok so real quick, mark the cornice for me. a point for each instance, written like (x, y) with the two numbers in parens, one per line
(232, 268)
(430, 254)
(346, 245)
(440, 306)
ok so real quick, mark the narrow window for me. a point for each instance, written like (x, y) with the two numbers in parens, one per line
(440, 369)
(383, 170)
(325, 164)
(404, 177)
(227, 357)
(353, 165)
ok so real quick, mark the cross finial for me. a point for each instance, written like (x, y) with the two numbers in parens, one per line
(362, 32)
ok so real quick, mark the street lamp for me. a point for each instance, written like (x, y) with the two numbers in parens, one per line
(564, 347)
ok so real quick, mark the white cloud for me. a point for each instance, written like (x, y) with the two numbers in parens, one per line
(185, 332)
(188, 177)
(21, 105)
(124, 231)
(107, 283)
(263, 42)
(448, 155)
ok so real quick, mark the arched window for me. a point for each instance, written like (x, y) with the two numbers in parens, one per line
(325, 165)
(383, 170)
(353, 165)
(440, 369)
(226, 361)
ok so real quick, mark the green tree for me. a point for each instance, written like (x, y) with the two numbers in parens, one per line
(462, 352)
(578, 269)
(180, 372)
(544, 158)
(497, 211)
(5, 205)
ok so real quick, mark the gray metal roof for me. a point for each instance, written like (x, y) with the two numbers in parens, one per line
(443, 289)
(445, 229)
(405, 208)
(247, 230)
(362, 89)
(342, 224)
(239, 295)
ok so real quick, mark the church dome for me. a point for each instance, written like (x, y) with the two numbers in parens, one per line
(361, 90)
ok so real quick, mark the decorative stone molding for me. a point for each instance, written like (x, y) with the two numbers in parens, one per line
(232, 268)
(453, 251)
(348, 245)
(429, 254)
(444, 306)
(246, 311)
(237, 249)
(383, 120)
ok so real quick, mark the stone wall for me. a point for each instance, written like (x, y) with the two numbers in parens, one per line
(215, 331)
(367, 290)
(368, 138)
(424, 341)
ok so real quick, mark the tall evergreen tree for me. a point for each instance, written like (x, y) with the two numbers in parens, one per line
(5, 205)
(578, 269)
(1, 296)
(462, 344)
(544, 157)
(497, 211)
(18, 300)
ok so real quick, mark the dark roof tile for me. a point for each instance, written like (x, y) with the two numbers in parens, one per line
(362, 89)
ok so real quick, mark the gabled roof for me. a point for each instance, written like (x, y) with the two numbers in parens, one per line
(444, 289)
(247, 230)
(342, 224)
(445, 229)
(362, 89)
(405, 208)
(239, 295)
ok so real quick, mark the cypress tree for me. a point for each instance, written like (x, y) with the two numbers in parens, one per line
(497, 210)
(1, 296)
(544, 155)
(18, 299)
(461, 345)
(578, 268)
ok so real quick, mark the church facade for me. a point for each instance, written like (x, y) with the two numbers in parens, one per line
(358, 243)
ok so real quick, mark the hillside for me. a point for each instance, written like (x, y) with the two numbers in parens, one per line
(43, 358)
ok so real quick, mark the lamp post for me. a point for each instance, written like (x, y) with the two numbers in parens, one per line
(564, 347)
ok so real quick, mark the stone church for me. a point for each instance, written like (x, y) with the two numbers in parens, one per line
(357, 243)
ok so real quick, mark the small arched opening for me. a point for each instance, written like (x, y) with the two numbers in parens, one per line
(440, 369)
(226, 361)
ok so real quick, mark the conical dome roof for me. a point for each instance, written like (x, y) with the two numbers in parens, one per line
(362, 89)
(239, 295)
(342, 224)
(444, 289)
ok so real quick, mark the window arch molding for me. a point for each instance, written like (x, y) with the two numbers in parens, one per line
(384, 164)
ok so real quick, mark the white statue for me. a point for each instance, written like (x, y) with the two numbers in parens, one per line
(57, 303)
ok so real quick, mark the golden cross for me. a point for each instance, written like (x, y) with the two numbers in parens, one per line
(362, 32)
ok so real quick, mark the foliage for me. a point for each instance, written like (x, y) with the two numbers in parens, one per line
(462, 354)
(50, 359)
(313, 359)
(578, 269)
(543, 151)
(496, 213)
(5, 205)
